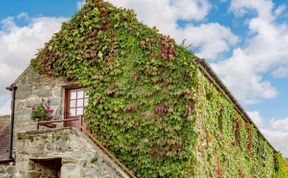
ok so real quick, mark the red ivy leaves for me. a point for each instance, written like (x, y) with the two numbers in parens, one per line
(218, 171)
(249, 139)
(161, 109)
(179, 146)
(105, 26)
(131, 107)
(190, 107)
(90, 54)
(167, 48)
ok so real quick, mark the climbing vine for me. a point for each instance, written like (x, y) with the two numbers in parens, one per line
(149, 103)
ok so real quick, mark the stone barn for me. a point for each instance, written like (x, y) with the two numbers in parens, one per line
(109, 96)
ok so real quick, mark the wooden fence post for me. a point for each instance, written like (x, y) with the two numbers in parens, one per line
(37, 124)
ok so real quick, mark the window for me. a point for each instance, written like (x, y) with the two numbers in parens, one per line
(77, 101)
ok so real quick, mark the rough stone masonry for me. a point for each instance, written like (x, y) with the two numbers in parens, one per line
(65, 153)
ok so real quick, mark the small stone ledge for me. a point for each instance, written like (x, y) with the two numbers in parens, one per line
(47, 131)
(22, 135)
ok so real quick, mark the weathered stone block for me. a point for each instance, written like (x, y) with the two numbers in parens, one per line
(62, 145)
(34, 174)
(70, 171)
(55, 101)
(57, 92)
(11, 170)
(44, 92)
(31, 102)
(2, 170)
(24, 92)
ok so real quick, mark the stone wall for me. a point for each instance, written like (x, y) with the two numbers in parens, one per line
(32, 88)
(71, 153)
(74, 153)
(7, 170)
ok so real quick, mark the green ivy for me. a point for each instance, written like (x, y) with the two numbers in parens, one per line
(149, 103)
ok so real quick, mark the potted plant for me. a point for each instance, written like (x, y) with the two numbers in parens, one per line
(41, 111)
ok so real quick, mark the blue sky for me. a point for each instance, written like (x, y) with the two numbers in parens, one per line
(244, 41)
(38, 8)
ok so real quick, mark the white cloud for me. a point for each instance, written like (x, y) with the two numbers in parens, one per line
(281, 72)
(211, 38)
(264, 52)
(80, 4)
(158, 13)
(23, 16)
(241, 76)
(280, 10)
(255, 116)
(280, 124)
(187, 9)
(262, 7)
(279, 139)
(276, 132)
(18, 45)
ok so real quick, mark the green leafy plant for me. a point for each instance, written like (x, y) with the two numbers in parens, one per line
(41, 111)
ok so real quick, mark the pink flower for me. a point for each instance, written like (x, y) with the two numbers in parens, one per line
(49, 109)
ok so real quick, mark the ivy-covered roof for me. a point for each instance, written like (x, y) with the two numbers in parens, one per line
(152, 103)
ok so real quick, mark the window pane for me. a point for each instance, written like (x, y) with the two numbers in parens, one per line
(80, 103)
(79, 111)
(73, 94)
(86, 96)
(72, 103)
(72, 112)
(80, 94)
(86, 102)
